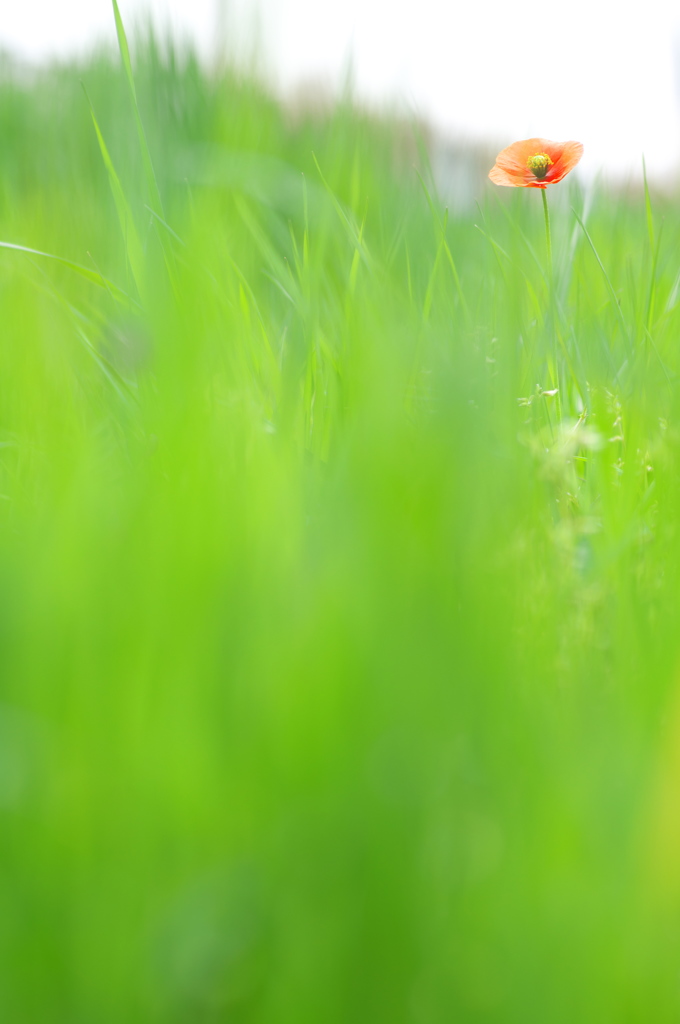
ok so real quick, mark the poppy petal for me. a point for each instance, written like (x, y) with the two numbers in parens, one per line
(512, 163)
(500, 176)
(569, 157)
(514, 158)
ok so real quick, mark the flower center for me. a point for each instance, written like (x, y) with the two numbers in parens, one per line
(539, 164)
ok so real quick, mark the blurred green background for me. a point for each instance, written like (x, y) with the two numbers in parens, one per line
(338, 571)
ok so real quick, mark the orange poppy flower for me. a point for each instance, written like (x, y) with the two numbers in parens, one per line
(535, 163)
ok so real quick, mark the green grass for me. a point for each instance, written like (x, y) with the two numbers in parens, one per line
(339, 572)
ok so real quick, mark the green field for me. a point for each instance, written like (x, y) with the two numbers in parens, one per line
(339, 571)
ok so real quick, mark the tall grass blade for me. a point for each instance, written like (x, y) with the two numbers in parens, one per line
(134, 249)
(152, 185)
(93, 276)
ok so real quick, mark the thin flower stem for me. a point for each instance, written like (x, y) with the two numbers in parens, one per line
(552, 309)
(547, 233)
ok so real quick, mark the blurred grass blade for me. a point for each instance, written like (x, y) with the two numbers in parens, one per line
(353, 232)
(614, 297)
(133, 245)
(157, 217)
(648, 207)
(152, 185)
(94, 276)
(444, 247)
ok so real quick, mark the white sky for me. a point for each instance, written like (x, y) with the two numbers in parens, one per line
(604, 72)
